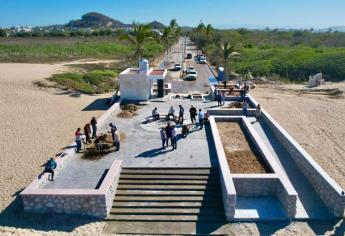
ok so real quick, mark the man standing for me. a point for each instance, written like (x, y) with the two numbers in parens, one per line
(219, 99)
(112, 131)
(174, 137)
(94, 127)
(116, 136)
(192, 112)
(201, 118)
(168, 133)
(163, 137)
(181, 112)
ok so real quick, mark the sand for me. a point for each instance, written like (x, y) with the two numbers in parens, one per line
(35, 124)
(317, 122)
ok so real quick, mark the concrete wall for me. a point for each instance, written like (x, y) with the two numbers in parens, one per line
(86, 202)
(328, 190)
(134, 86)
(227, 184)
(230, 112)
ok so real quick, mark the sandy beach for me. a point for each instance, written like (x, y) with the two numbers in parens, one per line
(315, 121)
(36, 124)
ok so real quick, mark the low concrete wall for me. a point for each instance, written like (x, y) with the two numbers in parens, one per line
(227, 184)
(87, 202)
(230, 112)
(328, 190)
(254, 185)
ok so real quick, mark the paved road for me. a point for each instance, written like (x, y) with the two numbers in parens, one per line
(179, 85)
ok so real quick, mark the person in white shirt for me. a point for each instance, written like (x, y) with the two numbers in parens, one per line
(201, 117)
(171, 113)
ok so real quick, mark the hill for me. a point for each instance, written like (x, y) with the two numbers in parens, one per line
(94, 20)
(156, 25)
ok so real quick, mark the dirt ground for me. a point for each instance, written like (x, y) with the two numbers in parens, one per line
(317, 122)
(241, 159)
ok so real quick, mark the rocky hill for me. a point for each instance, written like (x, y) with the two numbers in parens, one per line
(157, 25)
(95, 20)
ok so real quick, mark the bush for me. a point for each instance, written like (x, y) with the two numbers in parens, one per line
(89, 83)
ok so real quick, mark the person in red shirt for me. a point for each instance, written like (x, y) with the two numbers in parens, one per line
(78, 139)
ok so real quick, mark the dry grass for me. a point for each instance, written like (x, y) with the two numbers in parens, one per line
(128, 111)
(235, 105)
(241, 158)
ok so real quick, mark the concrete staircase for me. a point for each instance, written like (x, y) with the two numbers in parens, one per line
(167, 201)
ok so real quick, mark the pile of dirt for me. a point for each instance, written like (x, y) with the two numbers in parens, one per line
(91, 153)
(241, 158)
(128, 111)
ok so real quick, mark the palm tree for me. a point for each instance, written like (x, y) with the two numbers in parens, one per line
(200, 28)
(173, 24)
(166, 38)
(228, 53)
(138, 36)
(209, 31)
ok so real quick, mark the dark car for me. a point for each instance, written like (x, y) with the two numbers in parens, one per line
(189, 56)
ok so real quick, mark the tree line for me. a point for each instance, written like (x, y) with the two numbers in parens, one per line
(292, 55)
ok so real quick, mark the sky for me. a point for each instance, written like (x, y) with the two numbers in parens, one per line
(220, 13)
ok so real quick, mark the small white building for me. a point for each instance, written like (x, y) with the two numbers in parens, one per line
(137, 83)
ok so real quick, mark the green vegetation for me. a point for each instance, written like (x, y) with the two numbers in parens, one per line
(56, 51)
(290, 55)
(96, 81)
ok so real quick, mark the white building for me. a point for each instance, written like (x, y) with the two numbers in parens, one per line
(137, 83)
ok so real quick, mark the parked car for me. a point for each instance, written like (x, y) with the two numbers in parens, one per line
(189, 56)
(191, 75)
(177, 67)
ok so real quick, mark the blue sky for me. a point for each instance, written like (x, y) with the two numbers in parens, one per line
(236, 13)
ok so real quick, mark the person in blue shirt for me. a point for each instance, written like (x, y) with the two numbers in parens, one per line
(49, 167)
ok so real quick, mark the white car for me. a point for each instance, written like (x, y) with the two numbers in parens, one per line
(202, 60)
(191, 69)
(177, 67)
(191, 75)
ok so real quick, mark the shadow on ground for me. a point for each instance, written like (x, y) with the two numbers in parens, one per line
(13, 216)
(100, 104)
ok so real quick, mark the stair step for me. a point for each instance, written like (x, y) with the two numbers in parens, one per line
(169, 172)
(166, 177)
(169, 181)
(171, 204)
(167, 187)
(205, 199)
(168, 211)
(167, 228)
(166, 218)
(166, 193)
